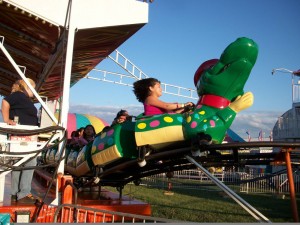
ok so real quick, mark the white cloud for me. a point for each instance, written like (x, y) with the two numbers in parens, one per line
(254, 121)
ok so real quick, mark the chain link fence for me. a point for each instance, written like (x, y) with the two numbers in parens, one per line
(238, 181)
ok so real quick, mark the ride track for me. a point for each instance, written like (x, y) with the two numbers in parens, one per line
(179, 156)
(174, 158)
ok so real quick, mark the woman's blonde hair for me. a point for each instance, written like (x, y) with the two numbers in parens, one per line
(20, 85)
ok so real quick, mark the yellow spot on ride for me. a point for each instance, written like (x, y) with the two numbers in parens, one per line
(103, 135)
(202, 112)
(188, 119)
(94, 148)
(141, 126)
(205, 121)
(168, 119)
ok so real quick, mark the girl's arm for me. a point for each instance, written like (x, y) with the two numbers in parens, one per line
(82, 142)
(5, 112)
(175, 107)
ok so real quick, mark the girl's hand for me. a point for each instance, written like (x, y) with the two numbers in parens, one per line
(188, 106)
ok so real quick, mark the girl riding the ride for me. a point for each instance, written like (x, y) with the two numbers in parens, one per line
(121, 117)
(148, 91)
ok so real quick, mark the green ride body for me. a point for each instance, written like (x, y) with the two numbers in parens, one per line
(217, 86)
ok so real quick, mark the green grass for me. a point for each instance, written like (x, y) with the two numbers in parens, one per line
(209, 205)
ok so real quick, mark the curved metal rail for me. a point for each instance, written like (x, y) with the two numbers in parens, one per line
(250, 209)
(69, 213)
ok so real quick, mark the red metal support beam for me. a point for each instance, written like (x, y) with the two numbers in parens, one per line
(67, 192)
(291, 185)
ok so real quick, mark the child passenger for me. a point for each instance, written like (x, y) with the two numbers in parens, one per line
(82, 136)
(148, 91)
(77, 139)
(89, 133)
(121, 117)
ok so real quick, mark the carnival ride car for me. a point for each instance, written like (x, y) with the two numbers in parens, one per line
(220, 85)
(38, 39)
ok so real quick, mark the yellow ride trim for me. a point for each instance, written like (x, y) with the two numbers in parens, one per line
(158, 136)
(106, 156)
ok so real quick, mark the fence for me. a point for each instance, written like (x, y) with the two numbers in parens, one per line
(68, 213)
(238, 181)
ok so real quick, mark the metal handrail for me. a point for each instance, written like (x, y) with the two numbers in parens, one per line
(250, 209)
(83, 212)
(135, 73)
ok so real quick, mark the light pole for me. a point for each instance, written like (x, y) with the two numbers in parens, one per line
(295, 86)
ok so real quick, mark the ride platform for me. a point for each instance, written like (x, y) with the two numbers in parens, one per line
(103, 202)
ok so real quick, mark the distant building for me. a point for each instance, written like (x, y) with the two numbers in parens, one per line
(287, 127)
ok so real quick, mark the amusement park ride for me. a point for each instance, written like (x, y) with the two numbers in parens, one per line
(60, 44)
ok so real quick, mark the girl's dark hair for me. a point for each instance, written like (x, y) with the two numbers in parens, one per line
(141, 88)
(75, 133)
(80, 129)
(122, 112)
(89, 125)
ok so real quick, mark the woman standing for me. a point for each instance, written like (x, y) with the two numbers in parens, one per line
(19, 105)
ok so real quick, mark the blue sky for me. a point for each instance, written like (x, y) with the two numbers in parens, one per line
(181, 35)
